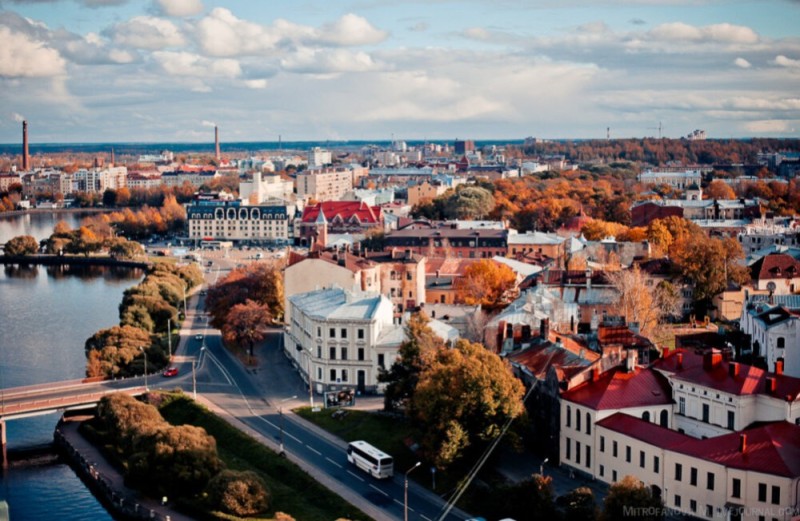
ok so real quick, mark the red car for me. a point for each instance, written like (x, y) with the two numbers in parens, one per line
(170, 371)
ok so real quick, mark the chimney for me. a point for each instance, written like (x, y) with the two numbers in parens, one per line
(711, 360)
(771, 384)
(742, 443)
(733, 369)
(778, 367)
(679, 360)
(588, 278)
(26, 158)
(544, 329)
(630, 360)
(216, 143)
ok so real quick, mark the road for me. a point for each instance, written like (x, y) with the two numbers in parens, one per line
(256, 396)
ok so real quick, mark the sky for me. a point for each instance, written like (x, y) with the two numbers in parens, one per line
(169, 70)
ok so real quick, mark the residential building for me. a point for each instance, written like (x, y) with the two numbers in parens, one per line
(425, 191)
(7, 180)
(261, 188)
(196, 176)
(324, 184)
(339, 339)
(340, 217)
(761, 235)
(776, 272)
(449, 241)
(232, 221)
(676, 179)
(695, 210)
(590, 289)
(463, 146)
(144, 181)
(773, 323)
(319, 157)
(545, 244)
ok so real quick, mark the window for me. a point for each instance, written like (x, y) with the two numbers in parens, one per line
(776, 495)
(628, 453)
(569, 416)
(602, 443)
(332, 332)
(641, 458)
(781, 342)
(709, 511)
(319, 373)
(677, 501)
(408, 275)
(705, 412)
(693, 505)
(682, 405)
(380, 360)
(614, 449)
(319, 351)
(602, 471)
(589, 456)
(319, 332)
(577, 420)
(762, 492)
(333, 375)
(736, 488)
(361, 353)
(693, 476)
(332, 355)
(360, 334)
(569, 448)
(646, 416)
(731, 418)
(344, 333)
(344, 353)
(710, 481)
(656, 464)
(678, 472)
(614, 476)
(577, 452)
(588, 424)
(344, 375)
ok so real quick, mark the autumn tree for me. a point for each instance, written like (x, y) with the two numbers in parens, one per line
(126, 419)
(711, 263)
(597, 229)
(115, 351)
(719, 189)
(403, 375)
(239, 493)
(631, 495)
(21, 245)
(259, 282)
(246, 324)
(486, 283)
(521, 500)
(641, 300)
(121, 248)
(464, 396)
(579, 505)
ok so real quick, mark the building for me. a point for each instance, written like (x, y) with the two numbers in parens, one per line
(338, 217)
(777, 272)
(547, 245)
(232, 221)
(449, 241)
(196, 176)
(8, 180)
(141, 180)
(773, 323)
(425, 191)
(762, 235)
(319, 157)
(679, 179)
(642, 213)
(589, 289)
(261, 188)
(339, 339)
(461, 147)
(324, 184)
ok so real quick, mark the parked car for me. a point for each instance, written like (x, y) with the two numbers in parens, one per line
(170, 371)
(198, 337)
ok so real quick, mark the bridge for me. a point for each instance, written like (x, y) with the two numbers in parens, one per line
(35, 400)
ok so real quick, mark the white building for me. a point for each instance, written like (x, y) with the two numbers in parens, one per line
(261, 188)
(98, 180)
(319, 157)
(773, 324)
(230, 221)
(680, 180)
(342, 338)
(325, 184)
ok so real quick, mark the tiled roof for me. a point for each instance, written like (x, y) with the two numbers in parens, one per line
(336, 303)
(608, 335)
(775, 266)
(566, 355)
(346, 210)
(750, 380)
(618, 389)
(773, 448)
(352, 262)
(447, 265)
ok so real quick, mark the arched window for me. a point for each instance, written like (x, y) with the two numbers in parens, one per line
(588, 424)
(664, 421)
(646, 416)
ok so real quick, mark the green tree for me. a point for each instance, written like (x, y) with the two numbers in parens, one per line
(532, 495)
(239, 493)
(403, 375)
(22, 245)
(471, 202)
(464, 396)
(246, 324)
(630, 499)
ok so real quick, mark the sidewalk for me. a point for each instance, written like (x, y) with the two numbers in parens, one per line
(106, 481)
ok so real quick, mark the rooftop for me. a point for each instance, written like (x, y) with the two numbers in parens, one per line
(619, 389)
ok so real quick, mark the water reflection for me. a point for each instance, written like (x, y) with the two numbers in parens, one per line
(84, 272)
(21, 271)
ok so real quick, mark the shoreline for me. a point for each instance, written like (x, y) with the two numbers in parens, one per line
(17, 213)
(56, 260)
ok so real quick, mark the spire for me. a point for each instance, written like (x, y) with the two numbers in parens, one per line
(321, 217)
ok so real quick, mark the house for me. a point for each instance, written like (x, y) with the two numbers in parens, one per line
(547, 245)
(773, 323)
(449, 241)
(776, 272)
(230, 220)
(340, 217)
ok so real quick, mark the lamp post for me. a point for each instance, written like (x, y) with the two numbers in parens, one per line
(541, 467)
(405, 491)
(145, 368)
(310, 383)
(280, 413)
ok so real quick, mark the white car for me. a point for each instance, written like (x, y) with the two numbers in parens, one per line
(198, 337)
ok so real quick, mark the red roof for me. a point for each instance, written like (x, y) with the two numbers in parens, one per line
(608, 335)
(619, 389)
(365, 213)
(567, 355)
(750, 380)
(773, 448)
(775, 266)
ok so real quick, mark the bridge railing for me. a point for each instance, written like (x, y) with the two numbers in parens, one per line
(17, 408)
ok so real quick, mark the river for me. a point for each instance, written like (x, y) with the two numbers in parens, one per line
(46, 315)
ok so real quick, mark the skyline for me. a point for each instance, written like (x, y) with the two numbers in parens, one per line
(87, 70)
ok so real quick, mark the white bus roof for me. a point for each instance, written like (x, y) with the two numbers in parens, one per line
(366, 447)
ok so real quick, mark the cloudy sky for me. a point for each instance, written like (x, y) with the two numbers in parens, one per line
(168, 70)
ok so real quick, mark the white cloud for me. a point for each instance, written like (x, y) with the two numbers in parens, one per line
(477, 33)
(23, 56)
(179, 8)
(770, 126)
(349, 30)
(19, 118)
(147, 32)
(207, 123)
(221, 33)
(323, 61)
(193, 65)
(259, 83)
(783, 61)
(741, 62)
(720, 33)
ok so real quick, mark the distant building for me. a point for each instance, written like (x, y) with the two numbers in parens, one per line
(449, 241)
(261, 188)
(232, 221)
(319, 157)
(324, 184)
(461, 147)
(338, 217)
(680, 180)
(196, 176)
(140, 180)
(7, 180)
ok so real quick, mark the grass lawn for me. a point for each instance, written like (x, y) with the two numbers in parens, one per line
(293, 490)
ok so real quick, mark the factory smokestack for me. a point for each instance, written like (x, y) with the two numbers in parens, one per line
(26, 157)
(216, 142)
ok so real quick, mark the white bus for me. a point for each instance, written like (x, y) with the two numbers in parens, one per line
(369, 459)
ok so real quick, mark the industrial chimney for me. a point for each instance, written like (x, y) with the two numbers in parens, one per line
(26, 157)
(216, 142)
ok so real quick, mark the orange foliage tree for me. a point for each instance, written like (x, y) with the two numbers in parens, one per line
(485, 282)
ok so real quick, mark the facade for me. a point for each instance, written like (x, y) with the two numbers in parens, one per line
(590, 290)
(261, 188)
(681, 180)
(339, 339)
(194, 175)
(324, 184)
(696, 210)
(7, 180)
(142, 181)
(449, 242)
(773, 323)
(231, 221)
(545, 244)
(318, 157)
(425, 190)
(779, 272)
(338, 217)
(760, 236)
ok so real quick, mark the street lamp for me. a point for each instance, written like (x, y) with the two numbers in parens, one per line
(541, 467)
(280, 413)
(405, 491)
(145, 367)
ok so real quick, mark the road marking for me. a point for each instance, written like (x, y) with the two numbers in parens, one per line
(327, 458)
(355, 476)
(309, 447)
(401, 503)
(379, 490)
(423, 516)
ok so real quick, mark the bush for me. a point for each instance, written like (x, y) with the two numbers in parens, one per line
(241, 493)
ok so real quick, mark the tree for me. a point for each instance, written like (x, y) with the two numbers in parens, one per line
(719, 189)
(486, 283)
(122, 248)
(112, 351)
(246, 324)
(631, 499)
(535, 494)
(640, 299)
(465, 395)
(259, 282)
(579, 505)
(710, 263)
(22, 245)
(471, 202)
(403, 375)
(239, 493)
